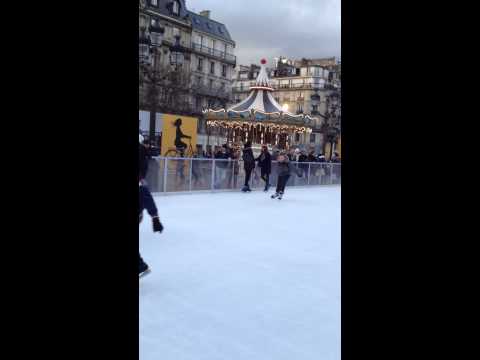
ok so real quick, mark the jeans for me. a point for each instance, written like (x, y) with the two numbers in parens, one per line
(282, 181)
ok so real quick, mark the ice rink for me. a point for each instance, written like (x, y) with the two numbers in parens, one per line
(243, 277)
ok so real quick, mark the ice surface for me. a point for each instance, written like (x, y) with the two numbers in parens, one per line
(243, 277)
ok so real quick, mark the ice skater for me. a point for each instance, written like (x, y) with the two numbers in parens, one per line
(284, 170)
(145, 202)
(248, 164)
(265, 163)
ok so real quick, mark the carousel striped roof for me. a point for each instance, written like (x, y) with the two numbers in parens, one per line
(260, 99)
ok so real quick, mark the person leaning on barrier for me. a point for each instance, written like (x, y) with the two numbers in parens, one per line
(311, 156)
(303, 158)
(335, 158)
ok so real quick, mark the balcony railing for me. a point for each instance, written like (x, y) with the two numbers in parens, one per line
(214, 52)
(214, 91)
(306, 86)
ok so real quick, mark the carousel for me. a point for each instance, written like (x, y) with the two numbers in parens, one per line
(259, 118)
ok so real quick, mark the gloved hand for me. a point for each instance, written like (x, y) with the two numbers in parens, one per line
(157, 225)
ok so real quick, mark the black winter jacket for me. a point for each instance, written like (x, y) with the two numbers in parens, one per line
(265, 162)
(248, 159)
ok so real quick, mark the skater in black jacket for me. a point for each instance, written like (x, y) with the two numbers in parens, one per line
(248, 164)
(265, 163)
(146, 202)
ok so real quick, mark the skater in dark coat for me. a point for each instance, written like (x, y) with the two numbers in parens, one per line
(265, 163)
(248, 164)
(284, 171)
(146, 202)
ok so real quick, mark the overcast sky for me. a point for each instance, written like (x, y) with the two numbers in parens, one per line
(270, 28)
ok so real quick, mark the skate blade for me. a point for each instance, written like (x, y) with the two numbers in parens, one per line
(146, 272)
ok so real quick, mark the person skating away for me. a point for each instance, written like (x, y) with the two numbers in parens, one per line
(265, 163)
(248, 164)
(283, 169)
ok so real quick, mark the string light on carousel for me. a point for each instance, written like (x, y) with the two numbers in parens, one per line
(259, 118)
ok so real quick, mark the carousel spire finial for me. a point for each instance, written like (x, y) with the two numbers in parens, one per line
(262, 78)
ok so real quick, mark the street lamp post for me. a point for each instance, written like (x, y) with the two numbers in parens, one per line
(176, 60)
(155, 43)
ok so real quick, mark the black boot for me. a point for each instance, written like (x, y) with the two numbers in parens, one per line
(143, 268)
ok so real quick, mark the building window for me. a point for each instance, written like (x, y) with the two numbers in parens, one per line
(156, 39)
(224, 70)
(210, 83)
(176, 8)
(297, 137)
(314, 108)
(154, 23)
(154, 2)
(222, 86)
(299, 108)
(212, 67)
(175, 31)
(200, 64)
(199, 81)
(198, 102)
(312, 138)
(144, 52)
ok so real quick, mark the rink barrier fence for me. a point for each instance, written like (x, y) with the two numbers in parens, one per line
(174, 175)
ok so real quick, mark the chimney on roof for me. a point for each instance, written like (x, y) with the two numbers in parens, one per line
(205, 13)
